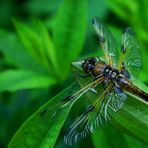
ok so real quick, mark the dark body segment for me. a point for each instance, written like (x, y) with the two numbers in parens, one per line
(126, 85)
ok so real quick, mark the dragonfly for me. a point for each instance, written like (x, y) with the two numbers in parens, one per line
(110, 80)
(116, 73)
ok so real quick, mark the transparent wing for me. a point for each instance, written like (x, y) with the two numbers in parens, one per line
(130, 57)
(107, 42)
(82, 91)
(118, 98)
(71, 99)
(98, 113)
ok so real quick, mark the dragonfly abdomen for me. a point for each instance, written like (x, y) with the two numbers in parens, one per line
(138, 92)
(126, 85)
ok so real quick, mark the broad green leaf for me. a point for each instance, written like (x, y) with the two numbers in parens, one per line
(133, 116)
(134, 143)
(12, 80)
(43, 127)
(109, 137)
(69, 30)
(143, 76)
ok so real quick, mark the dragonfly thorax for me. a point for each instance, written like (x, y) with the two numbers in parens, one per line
(111, 73)
(101, 68)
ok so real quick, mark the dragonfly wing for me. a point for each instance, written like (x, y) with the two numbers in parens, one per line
(110, 101)
(98, 113)
(94, 116)
(107, 42)
(118, 98)
(130, 58)
(76, 131)
(85, 124)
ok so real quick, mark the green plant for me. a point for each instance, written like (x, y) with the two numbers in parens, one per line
(35, 65)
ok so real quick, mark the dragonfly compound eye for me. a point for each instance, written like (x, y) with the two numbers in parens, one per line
(92, 60)
(88, 64)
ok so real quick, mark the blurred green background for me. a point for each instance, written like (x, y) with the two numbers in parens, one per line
(38, 41)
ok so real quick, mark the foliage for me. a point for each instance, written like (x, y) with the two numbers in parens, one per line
(38, 41)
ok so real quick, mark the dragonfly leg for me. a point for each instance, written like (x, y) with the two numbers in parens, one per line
(98, 58)
(84, 76)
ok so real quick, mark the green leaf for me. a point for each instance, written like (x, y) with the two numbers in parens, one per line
(43, 127)
(15, 54)
(28, 37)
(69, 30)
(49, 49)
(132, 118)
(12, 80)
(32, 39)
(109, 137)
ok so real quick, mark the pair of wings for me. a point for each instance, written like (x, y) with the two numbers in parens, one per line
(101, 101)
(129, 53)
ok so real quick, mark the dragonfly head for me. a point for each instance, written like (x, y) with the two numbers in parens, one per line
(89, 64)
